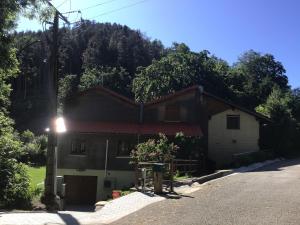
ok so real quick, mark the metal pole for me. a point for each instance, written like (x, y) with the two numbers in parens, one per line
(106, 153)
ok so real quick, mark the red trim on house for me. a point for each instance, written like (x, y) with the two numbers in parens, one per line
(171, 129)
(134, 128)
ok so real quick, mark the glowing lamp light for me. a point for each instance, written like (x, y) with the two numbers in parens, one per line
(47, 129)
(60, 125)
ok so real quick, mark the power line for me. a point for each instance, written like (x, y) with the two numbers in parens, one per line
(108, 12)
(118, 9)
(59, 13)
(62, 3)
(99, 4)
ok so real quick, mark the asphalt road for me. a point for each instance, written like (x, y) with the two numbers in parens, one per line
(270, 195)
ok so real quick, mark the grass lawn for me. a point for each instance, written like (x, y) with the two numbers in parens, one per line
(181, 177)
(37, 176)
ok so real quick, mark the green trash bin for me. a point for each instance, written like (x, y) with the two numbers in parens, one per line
(158, 167)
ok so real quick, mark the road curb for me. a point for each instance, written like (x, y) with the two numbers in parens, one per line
(223, 173)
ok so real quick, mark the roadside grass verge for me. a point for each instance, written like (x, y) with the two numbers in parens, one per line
(181, 177)
(37, 176)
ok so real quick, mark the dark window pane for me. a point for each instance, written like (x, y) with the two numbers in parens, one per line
(124, 148)
(233, 122)
(78, 147)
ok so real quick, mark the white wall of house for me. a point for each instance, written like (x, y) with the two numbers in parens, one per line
(121, 179)
(223, 143)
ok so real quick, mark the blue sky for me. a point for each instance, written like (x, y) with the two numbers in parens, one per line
(226, 28)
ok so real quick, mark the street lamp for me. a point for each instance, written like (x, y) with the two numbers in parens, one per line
(60, 125)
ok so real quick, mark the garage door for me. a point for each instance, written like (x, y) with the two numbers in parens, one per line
(81, 189)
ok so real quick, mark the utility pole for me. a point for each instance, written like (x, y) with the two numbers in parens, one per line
(50, 198)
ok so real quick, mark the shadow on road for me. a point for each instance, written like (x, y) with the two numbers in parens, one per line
(278, 166)
(71, 220)
(168, 195)
(68, 219)
(174, 195)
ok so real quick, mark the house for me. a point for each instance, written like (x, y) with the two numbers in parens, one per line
(103, 126)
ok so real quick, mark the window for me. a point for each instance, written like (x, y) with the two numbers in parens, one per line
(233, 122)
(78, 147)
(124, 149)
(172, 113)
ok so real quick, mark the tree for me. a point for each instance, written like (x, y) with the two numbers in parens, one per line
(14, 181)
(85, 46)
(296, 104)
(278, 106)
(116, 79)
(254, 76)
(282, 135)
(33, 150)
(67, 87)
(180, 68)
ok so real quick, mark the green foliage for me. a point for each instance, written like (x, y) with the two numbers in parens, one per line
(189, 146)
(14, 181)
(254, 76)
(113, 50)
(126, 191)
(296, 104)
(277, 106)
(179, 69)
(283, 134)
(179, 176)
(129, 63)
(116, 79)
(67, 87)
(14, 185)
(34, 148)
(37, 175)
(160, 150)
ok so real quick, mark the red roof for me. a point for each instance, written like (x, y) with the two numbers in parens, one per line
(134, 128)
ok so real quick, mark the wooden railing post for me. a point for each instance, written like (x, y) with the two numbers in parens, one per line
(190, 166)
(172, 175)
(136, 177)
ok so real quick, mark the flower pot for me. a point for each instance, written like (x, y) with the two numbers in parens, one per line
(116, 194)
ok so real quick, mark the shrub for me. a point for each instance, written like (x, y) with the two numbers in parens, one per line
(190, 147)
(14, 184)
(33, 149)
(16, 193)
(14, 181)
(283, 134)
(160, 150)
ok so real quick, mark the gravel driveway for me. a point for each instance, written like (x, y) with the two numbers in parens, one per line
(270, 195)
